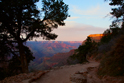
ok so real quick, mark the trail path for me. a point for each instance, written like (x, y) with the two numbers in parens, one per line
(62, 75)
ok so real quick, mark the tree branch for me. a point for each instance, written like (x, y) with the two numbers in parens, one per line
(29, 35)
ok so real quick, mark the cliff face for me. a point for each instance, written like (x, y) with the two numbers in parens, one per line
(96, 37)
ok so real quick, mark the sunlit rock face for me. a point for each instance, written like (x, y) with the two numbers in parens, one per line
(96, 37)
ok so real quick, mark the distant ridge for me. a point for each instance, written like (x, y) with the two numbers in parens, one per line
(57, 41)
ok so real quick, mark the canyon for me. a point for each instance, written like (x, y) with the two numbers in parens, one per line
(50, 54)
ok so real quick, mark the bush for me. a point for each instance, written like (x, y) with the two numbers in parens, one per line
(113, 63)
(83, 50)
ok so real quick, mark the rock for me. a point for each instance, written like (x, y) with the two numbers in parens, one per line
(90, 68)
(89, 76)
(83, 72)
(78, 78)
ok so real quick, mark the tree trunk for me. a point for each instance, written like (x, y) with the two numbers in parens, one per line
(24, 64)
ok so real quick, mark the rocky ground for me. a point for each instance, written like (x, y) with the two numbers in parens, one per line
(79, 73)
(70, 74)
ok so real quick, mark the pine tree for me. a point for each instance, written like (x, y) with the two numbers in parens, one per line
(21, 20)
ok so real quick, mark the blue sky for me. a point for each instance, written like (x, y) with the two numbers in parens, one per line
(87, 17)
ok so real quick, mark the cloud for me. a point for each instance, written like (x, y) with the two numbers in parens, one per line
(90, 11)
(76, 32)
(97, 10)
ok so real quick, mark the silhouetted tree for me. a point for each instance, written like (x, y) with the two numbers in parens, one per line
(117, 12)
(22, 20)
(110, 33)
(14, 63)
(82, 51)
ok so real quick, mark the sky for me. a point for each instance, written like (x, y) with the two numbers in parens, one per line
(87, 17)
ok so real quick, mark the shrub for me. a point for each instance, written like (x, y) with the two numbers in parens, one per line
(113, 62)
(83, 50)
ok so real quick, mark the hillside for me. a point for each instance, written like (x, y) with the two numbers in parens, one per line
(112, 63)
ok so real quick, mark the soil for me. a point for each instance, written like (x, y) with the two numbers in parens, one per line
(63, 74)
(79, 73)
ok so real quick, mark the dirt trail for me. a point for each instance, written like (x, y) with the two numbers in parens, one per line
(62, 75)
